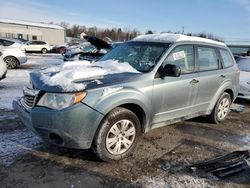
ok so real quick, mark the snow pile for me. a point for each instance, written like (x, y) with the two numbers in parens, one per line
(69, 73)
(168, 37)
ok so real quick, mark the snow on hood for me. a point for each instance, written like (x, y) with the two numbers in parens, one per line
(69, 74)
(168, 37)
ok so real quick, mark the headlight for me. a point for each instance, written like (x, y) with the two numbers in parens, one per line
(59, 101)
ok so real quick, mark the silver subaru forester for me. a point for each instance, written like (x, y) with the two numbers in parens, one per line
(177, 78)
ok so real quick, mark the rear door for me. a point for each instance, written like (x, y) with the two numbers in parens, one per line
(211, 76)
(30, 46)
(173, 97)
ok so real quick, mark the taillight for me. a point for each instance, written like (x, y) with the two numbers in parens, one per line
(238, 73)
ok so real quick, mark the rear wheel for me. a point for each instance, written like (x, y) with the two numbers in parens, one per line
(221, 109)
(11, 62)
(44, 50)
(117, 135)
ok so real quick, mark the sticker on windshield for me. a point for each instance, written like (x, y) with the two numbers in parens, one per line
(179, 55)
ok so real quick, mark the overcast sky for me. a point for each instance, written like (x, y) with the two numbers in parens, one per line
(229, 19)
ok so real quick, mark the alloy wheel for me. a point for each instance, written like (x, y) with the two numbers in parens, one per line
(10, 62)
(223, 108)
(120, 137)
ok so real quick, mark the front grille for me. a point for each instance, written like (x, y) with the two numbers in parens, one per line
(30, 97)
(29, 100)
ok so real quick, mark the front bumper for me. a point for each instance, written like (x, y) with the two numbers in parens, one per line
(75, 125)
(22, 59)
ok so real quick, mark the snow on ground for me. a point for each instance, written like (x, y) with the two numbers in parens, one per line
(15, 143)
(12, 86)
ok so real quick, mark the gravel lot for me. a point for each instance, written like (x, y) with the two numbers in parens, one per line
(158, 161)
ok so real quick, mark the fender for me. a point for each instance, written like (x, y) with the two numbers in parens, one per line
(127, 95)
(227, 84)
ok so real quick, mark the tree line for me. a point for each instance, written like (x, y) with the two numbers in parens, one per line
(119, 34)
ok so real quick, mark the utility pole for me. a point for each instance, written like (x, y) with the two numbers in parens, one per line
(183, 29)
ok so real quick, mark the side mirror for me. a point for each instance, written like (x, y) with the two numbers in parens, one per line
(170, 70)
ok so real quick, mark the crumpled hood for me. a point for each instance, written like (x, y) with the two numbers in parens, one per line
(98, 43)
(82, 75)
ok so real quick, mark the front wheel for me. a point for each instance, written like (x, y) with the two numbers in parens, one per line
(11, 62)
(44, 50)
(221, 109)
(117, 135)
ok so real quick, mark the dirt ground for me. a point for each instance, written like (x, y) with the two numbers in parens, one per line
(159, 160)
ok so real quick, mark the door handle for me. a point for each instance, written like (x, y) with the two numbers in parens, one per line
(222, 76)
(194, 81)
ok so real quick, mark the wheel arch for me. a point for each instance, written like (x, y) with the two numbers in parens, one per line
(138, 111)
(11, 56)
(227, 87)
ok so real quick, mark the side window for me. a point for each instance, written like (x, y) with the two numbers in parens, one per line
(31, 43)
(183, 57)
(226, 58)
(207, 59)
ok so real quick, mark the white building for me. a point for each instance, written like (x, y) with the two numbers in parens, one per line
(53, 34)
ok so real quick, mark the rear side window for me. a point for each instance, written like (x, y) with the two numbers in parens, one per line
(6, 42)
(207, 59)
(41, 42)
(226, 58)
(183, 57)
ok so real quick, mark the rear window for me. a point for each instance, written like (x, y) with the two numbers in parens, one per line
(6, 42)
(226, 58)
(207, 59)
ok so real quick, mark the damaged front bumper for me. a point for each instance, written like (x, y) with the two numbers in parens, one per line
(73, 127)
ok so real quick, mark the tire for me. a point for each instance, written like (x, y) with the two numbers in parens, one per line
(111, 142)
(221, 109)
(44, 50)
(11, 62)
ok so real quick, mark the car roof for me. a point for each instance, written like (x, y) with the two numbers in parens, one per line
(173, 38)
(12, 40)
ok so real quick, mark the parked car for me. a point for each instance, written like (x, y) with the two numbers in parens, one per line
(12, 53)
(3, 67)
(239, 50)
(143, 84)
(72, 53)
(36, 46)
(58, 49)
(244, 66)
(93, 52)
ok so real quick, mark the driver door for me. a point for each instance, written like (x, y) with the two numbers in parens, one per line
(174, 97)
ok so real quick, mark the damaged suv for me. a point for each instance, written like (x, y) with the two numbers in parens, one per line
(143, 84)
